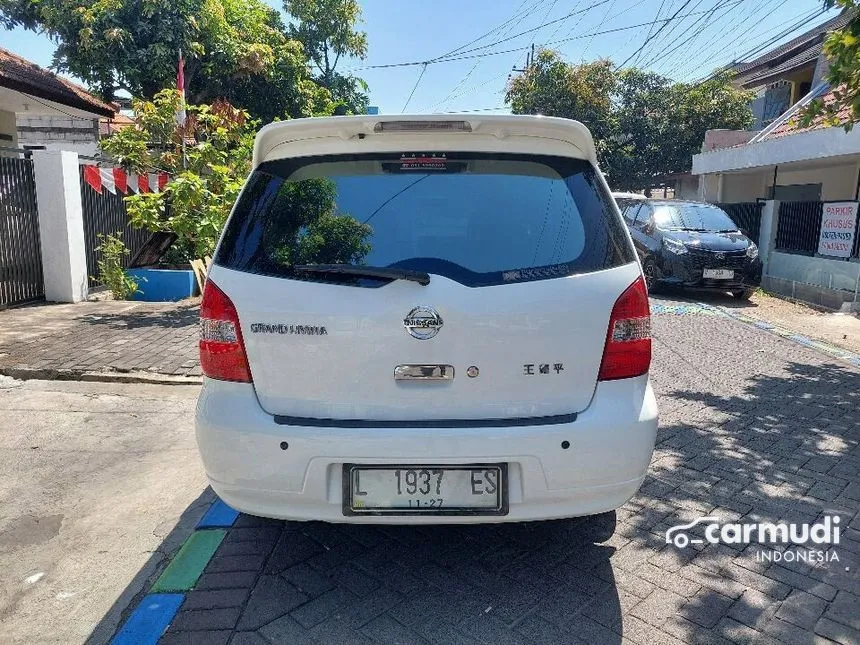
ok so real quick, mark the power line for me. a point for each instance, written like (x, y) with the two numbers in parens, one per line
(525, 47)
(414, 87)
(478, 62)
(649, 38)
(737, 26)
(803, 22)
(517, 14)
(659, 11)
(599, 25)
(533, 29)
(705, 24)
(668, 35)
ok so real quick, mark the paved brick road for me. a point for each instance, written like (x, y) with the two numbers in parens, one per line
(101, 337)
(753, 427)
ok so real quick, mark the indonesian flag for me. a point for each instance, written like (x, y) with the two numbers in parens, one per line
(180, 87)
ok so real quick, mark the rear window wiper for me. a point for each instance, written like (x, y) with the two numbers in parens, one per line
(420, 277)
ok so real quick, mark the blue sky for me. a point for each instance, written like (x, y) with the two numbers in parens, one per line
(716, 32)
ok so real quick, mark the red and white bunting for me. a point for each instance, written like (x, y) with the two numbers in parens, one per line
(120, 178)
(93, 177)
(107, 180)
(117, 180)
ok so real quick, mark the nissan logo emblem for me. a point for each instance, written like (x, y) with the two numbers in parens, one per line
(423, 322)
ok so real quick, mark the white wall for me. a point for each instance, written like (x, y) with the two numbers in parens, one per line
(837, 182)
(745, 187)
(825, 144)
(7, 127)
(59, 133)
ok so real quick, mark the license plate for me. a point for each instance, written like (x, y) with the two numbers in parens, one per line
(473, 489)
(719, 274)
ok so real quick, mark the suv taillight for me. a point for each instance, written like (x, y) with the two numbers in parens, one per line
(628, 342)
(222, 351)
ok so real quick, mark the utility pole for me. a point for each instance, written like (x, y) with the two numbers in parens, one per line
(530, 59)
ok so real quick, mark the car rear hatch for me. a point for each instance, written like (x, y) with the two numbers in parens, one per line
(506, 268)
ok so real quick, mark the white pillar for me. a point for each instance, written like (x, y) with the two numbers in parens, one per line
(767, 231)
(61, 225)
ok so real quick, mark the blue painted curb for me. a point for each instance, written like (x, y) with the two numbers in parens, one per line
(788, 334)
(218, 515)
(148, 622)
(702, 308)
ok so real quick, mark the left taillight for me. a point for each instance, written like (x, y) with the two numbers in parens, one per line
(222, 350)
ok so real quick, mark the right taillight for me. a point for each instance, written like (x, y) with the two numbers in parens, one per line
(222, 351)
(628, 342)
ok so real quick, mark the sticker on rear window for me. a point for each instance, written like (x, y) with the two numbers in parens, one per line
(537, 273)
(423, 161)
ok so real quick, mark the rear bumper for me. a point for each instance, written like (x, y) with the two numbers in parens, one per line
(610, 449)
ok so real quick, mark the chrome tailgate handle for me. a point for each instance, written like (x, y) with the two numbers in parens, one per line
(424, 373)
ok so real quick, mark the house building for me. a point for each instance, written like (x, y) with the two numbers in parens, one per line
(40, 110)
(797, 175)
(785, 74)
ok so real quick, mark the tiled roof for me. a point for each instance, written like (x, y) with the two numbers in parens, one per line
(113, 124)
(751, 71)
(790, 126)
(806, 56)
(21, 75)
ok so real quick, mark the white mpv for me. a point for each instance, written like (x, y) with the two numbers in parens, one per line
(425, 320)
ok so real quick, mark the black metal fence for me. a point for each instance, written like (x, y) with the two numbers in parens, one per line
(746, 216)
(105, 213)
(20, 252)
(799, 227)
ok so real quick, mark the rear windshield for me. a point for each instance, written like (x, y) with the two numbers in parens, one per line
(479, 219)
(693, 217)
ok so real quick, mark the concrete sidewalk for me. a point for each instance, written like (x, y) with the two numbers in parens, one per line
(99, 484)
(107, 338)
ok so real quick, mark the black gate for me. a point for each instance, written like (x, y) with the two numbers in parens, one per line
(105, 213)
(20, 253)
(746, 216)
(799, 227)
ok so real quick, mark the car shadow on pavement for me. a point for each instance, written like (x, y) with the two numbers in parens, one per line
(781, 447)
(181, 316)
(272, 581)
(764, 445)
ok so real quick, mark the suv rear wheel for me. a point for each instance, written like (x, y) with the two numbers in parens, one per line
(746, 294)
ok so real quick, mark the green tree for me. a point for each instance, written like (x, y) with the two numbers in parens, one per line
(327, 29)
(553, 88)
(644, 125)
(236, 50)
(842, 48)
(201, 191)
(304, 226)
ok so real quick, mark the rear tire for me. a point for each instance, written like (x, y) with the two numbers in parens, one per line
(746, 294)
